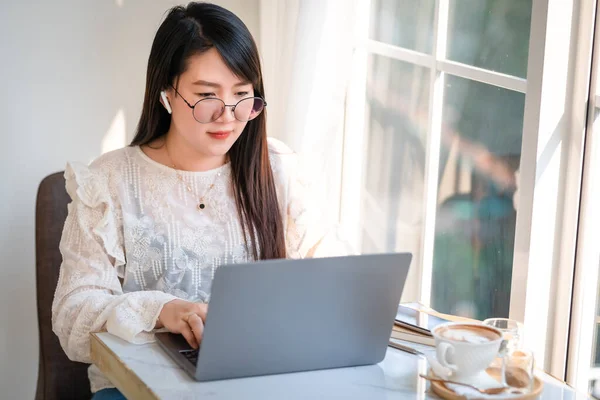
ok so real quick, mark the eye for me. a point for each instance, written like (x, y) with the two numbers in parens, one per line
(242, 94)
(206, 94)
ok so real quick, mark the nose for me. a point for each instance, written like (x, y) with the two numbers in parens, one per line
(227, 115)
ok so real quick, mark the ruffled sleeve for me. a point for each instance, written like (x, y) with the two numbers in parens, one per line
(89, 297)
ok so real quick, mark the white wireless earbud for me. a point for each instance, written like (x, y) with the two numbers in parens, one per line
(163, 96)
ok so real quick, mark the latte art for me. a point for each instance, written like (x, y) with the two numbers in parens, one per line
(465, 335)
(468, 334)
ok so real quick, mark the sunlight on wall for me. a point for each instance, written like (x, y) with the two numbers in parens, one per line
(116, 134)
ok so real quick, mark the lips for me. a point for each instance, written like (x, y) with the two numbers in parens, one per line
(220, 134)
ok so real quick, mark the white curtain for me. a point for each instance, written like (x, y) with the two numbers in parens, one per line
(307, 47)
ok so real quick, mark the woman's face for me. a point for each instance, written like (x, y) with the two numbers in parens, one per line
(206, 76)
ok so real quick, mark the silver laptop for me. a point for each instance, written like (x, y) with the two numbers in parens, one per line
(281, 316)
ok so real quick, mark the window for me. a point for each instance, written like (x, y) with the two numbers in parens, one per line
(584, 348)
(461, 146)
(584, 359)
(444, 98)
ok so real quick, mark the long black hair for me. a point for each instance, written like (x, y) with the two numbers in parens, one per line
(191, 30)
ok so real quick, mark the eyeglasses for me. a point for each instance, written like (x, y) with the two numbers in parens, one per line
(210, 109)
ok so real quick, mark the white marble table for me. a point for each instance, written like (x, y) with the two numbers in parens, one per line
(146, 371)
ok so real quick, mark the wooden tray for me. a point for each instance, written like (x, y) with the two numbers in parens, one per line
(445, 393)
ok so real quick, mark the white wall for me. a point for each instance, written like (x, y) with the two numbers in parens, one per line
(73, 76)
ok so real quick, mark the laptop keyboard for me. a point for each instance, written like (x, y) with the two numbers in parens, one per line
(191, 355)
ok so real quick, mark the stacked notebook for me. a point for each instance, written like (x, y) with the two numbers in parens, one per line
(414, 324)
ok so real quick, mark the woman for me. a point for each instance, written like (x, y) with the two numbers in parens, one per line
(199, 186)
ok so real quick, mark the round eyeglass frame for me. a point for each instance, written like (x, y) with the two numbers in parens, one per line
(233, 107)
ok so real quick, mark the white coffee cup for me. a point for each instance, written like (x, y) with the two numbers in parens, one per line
(466, 349)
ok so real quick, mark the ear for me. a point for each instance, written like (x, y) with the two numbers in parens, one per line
(165, 101)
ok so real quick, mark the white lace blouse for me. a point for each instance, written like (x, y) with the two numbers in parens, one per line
(134, 240)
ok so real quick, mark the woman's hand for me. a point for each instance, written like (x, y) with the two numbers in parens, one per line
(184, 317)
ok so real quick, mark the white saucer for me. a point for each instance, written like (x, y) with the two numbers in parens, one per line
(482, 380)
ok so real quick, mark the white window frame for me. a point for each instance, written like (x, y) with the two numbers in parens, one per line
(551, 160)
(353, 174)
(555, 127)
(586, 278)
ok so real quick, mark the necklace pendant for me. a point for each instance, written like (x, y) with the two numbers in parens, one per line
(201, 206)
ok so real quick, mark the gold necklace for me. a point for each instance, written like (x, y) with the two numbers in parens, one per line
(201, 203)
